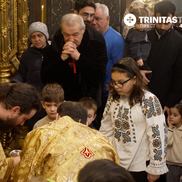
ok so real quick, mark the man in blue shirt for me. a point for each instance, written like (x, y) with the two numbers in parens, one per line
(114, 43)
(114, 40)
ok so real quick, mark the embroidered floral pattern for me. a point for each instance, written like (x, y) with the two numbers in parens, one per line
(155, 131)
(158, 154)
(152, 107)
(126, 138)
(118, 124)
(117, 135)
(123, 124)
(108, 104)
(157, 143)
(125, 113)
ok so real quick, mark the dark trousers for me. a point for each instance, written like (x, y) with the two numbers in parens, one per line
(174, 174)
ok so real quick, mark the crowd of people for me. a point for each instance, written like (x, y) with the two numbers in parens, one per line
(105, 106)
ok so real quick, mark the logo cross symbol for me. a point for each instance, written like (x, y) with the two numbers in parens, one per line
(130, 19)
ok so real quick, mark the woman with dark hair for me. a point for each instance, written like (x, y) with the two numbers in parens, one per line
(134, 122)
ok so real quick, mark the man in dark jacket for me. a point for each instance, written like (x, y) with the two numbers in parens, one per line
(76, 60)
(165, 58)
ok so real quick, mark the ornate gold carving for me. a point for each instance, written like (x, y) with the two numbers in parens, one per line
(4, 32)
(13, 32)
(24, 18)
(3, 6)
(22, 26)
(14, 139)
(14, 64)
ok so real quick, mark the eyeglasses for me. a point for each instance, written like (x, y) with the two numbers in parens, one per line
(119, 84)
(86, 15)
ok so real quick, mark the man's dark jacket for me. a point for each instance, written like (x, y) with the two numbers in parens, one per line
(165, 61)
(90, 67)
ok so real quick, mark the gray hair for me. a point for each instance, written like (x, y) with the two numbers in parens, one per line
(71, 20)
(104, 8)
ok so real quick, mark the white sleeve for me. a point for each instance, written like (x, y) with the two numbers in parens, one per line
(107, 128)
(157, 135)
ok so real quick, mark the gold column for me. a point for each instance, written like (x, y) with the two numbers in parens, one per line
(23, 14)
(4, 41)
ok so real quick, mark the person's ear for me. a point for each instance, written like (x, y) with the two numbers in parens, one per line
(108, 19)
(15, 110)
(134, 80)
(57, 116)
(94, 117)
(43, 104)
(75, 12)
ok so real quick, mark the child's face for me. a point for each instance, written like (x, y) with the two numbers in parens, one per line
(122, 83)
(175, 118)
(51, 109)
(91, 116)
(140, 26)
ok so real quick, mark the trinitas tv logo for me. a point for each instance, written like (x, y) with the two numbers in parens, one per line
(130, 20)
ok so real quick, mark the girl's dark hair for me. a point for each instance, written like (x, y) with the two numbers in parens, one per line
(179, 108)
(164, 8)
(137, 93)
(104, 170)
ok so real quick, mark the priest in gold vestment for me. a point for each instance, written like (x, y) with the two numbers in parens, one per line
(15, 111)
(6, 165)
(58, 150)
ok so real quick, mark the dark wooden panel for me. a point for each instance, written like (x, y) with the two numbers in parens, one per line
(34, 10)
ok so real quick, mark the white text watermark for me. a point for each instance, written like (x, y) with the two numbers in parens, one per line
(130, 20)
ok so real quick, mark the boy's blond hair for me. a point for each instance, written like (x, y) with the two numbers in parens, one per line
(89, 103)
(53, 93)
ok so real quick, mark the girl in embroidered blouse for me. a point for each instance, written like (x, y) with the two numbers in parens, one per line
(134, 122)
(174, 157)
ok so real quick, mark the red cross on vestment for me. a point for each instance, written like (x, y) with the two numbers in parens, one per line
(72, 64)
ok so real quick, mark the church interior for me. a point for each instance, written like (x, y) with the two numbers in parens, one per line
(15, 18)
